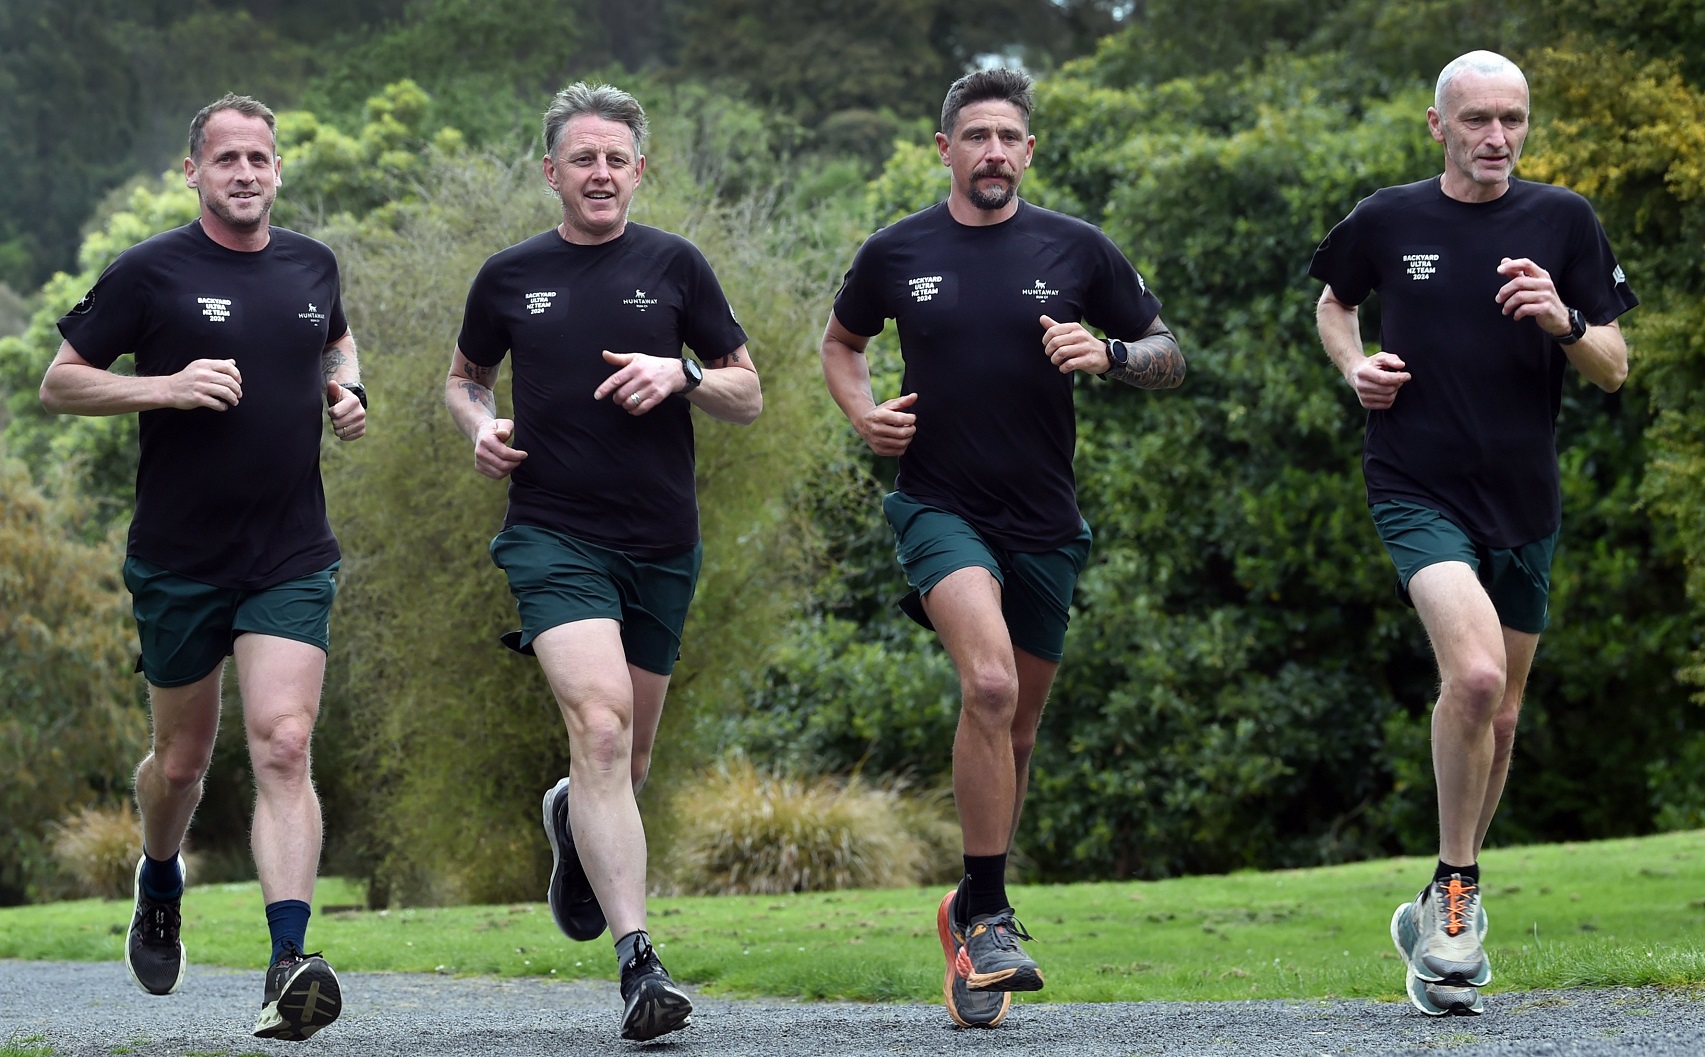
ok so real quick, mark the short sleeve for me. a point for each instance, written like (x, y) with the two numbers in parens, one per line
(1595, 283)
(859, 305)
(709, 328)
(1119, 301)
(111, 318)
(483, 338)
(1341, 260)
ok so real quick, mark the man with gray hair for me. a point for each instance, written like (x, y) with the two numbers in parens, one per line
(987, 292)
(601, 540)
(1489, 287)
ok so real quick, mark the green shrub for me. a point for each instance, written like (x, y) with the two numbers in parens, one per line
(747, 831)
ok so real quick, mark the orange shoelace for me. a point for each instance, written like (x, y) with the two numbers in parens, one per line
(1457, 894)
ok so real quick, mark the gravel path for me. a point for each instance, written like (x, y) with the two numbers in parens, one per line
(93, 1010)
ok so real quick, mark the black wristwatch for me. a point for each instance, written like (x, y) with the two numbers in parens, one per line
(693, 372)
(1117, 356)
(358, 389)
(1577, 328)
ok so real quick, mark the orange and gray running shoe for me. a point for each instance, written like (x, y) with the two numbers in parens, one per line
(968, 1008)
(1439, 934)
(991, 958)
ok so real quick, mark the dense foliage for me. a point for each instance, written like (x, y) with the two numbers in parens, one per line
(1241, 685)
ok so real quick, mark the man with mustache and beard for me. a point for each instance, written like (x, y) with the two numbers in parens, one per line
(987, 292)
(240, 345)
(601, 540)
(1488, 288)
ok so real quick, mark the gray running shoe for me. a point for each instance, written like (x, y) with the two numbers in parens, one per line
(302, 996)
(992, 960)
(654, 1005)
(1441, 1000)
(573, 903)
(968, 1008)
(1439, 934)
(153, 952)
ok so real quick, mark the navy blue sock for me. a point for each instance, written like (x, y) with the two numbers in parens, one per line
(161, 879)
(287, 920)
(1470, 873)
(983, 891)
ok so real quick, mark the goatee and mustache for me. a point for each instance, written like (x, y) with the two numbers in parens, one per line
(996, 197)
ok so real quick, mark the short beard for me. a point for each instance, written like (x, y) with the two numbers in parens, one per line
(991, 201)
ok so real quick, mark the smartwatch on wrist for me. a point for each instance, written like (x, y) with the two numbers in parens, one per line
(1117, 356)
(693, 372)
(1577, 328)
(358, 389)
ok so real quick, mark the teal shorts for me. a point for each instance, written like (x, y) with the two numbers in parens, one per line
(1517, 579)
(187, 627)
(1036, 588)
(557, 579)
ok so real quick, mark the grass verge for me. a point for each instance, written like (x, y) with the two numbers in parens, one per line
(1621, 912)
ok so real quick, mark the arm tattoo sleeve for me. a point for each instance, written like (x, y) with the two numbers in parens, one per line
(1155, 360)
(479, 394)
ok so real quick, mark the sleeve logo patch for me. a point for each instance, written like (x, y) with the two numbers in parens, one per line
(82, 307)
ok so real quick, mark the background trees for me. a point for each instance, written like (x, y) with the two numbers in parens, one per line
(1241, 686)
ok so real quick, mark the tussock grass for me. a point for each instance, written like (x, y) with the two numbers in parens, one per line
(97, 848)
(745, 831)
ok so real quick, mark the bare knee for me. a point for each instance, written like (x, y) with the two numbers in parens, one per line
(180, 770)
(1476, 691)
(601, 738)
(990, 694)
(279, 749)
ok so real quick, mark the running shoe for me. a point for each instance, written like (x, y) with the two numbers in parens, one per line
(654, 1005)
(1439, 934)
(154, 953)
(991, 959)
(573, 903)
(1442, 1000)
(968, 1008)
(302, 996)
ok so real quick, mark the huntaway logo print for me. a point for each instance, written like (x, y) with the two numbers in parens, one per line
(1041, 291)
(313, 315)
(640, 301)
(539, 301)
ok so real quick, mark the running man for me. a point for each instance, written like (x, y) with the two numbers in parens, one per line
(240, 341)
(1489, 287)
(987, 292)
(601, 541)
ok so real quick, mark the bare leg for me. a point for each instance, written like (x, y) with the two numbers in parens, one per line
(1035, 679)
(1468, 644)
(649, 689)
(169, 780)
(965, 608)
(280, 682)
(590, 677)
(1519, 648)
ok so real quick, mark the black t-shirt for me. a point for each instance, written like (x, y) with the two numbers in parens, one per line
(995, 424)
(592, 470)
(231, 498)
(1471, 433)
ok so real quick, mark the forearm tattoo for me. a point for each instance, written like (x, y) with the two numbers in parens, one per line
(333, 358)
(481, 395)
(724, 361)
(1155, 360)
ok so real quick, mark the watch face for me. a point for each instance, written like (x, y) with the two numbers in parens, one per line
(695, 373)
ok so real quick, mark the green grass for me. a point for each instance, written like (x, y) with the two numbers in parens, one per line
(1623, 912)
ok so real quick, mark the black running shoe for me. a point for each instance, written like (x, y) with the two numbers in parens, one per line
(153, 952)
(573, 904)
(992, 960)
(655, 1006)
(968, 1008)
(302, 996)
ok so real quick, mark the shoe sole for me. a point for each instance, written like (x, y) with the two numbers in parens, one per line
(183, 952)
(1443, 1000)
(309, 1000)
(582, 920)
(659, 1009)
(1426, 975)
(956, 1004)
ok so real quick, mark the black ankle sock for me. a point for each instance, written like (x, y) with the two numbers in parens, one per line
(628, 946)
(983, 891)
(1469, 873)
